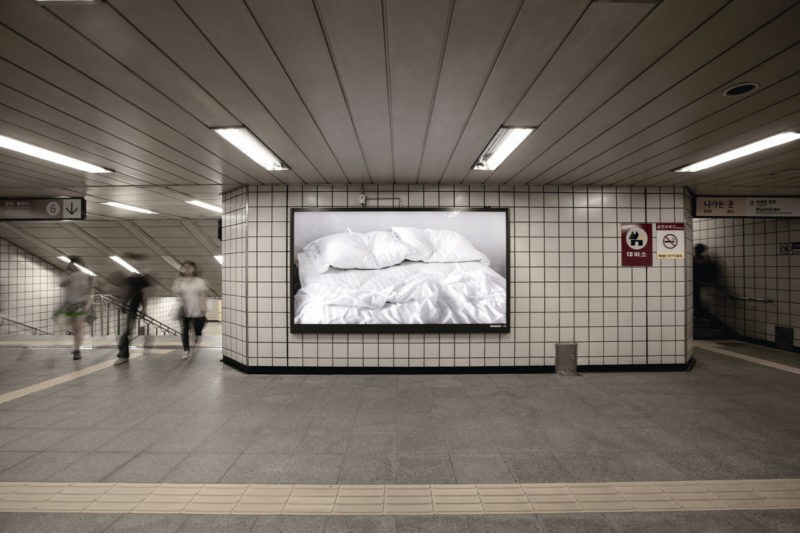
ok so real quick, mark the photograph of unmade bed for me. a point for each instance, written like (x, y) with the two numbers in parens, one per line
(400, 267)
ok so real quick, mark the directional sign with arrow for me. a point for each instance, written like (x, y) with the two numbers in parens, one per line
(42, 208)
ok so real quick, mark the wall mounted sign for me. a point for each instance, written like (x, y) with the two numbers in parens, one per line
(637, 244)
(789, 248)
(669, 240)
(42, 208)
(740, 206)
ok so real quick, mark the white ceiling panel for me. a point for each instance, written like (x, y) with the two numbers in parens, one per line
(355, 34)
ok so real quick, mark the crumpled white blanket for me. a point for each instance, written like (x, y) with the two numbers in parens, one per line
(408, 293)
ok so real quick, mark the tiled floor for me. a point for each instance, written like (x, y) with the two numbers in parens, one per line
(161, 421)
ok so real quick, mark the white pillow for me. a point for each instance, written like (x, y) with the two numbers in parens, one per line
(445, 246)
(373, 250)
(387, 248)
(315, 258)
(419, 247)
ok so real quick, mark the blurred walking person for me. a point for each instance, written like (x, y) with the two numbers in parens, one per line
(134, 297)
(191, 290)
(77, 305)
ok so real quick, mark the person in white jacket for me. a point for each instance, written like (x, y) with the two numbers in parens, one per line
(77, 306)
(190, 289)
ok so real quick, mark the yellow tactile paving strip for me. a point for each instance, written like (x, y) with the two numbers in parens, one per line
(159, 498)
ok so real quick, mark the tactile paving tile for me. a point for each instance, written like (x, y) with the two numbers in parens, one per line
(526, 498)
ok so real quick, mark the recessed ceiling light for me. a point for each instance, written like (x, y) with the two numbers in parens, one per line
(124, 264)
(130, 208)
(79, 266)
(204, 205)
(249, 145)
(218, 258)
(740, 88)
(736, 153)
(505, 141)
(48, 155)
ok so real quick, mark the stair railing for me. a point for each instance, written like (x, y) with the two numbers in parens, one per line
(110, 314)
(730, 294)
(36, 331)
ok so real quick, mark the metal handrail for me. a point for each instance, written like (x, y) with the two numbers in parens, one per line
(121, 308)
(35, 329)
(733, 296)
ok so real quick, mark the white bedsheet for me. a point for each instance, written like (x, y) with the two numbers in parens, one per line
(408, 293)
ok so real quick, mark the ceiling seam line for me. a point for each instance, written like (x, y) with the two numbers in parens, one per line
(136, 75)
(256, 97)
(297, 92)
(705, 135)
(435, 91)
(61, 129)
(117, 95)
(535, 79)
(586, 77)
(385, 21)
(662, 93)
(3, 120)
(175, 64)
(499, 50)
(329, 47)
(117, 120)
(643, 72)
(705, 117)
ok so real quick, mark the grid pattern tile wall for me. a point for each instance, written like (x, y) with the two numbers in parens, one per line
(235, 290)
(750, 262)
(567, 285)
(29, 291)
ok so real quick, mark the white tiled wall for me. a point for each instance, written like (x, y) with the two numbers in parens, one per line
(29, 291)
(750, 265)
(567, 284)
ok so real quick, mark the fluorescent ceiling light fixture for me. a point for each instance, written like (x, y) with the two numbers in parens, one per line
(130, 208)
(124, 264)
(80, 267)
(505, 141)
(218, 258)
(736, 153)
(204, 205)
(250, 146)
(54, 157)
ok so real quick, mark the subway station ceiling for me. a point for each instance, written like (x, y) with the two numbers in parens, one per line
(379, 91)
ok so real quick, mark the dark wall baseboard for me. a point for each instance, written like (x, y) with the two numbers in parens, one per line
(448, 370)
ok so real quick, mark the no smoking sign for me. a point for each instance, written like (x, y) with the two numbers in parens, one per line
(670, 240)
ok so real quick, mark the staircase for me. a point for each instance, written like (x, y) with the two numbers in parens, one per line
(110, 314)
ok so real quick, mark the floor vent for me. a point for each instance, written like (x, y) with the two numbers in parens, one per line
(567, 359)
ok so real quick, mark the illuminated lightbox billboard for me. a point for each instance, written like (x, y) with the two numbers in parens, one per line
(399, 270)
